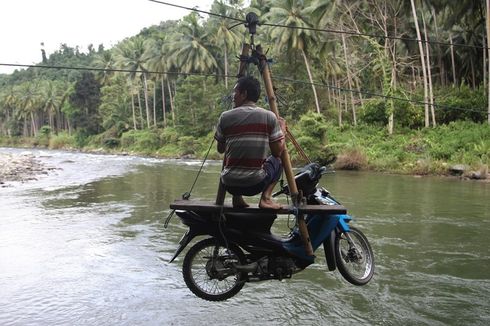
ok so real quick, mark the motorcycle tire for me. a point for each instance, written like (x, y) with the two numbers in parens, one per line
(209, 272)
(355, 263)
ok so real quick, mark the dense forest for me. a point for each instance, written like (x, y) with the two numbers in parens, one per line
(383, 84)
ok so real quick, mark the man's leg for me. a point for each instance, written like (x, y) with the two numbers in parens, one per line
(266, 198)
(273, 168)
(238, 202)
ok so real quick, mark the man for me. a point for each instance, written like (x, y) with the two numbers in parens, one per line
(246, 134)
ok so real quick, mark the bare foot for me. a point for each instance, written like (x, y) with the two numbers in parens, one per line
(238, 202)
(269, 204)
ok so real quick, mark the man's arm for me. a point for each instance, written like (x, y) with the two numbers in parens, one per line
(278, 147)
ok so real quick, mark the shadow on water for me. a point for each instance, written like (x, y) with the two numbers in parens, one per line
(96, 253)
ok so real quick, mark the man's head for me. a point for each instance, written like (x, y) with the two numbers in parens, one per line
(247, 89)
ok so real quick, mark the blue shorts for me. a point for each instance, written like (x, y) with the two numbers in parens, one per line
(273, 169)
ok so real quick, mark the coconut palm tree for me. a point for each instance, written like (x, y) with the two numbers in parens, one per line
(51, 97)
(8, 99)
(29, 104)
(190, 47)
(189, 50)
(129, 55)
(294, 14)
(222, 35)
(105, 60)
(156, 60)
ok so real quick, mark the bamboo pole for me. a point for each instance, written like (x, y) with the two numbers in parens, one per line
(286, 161)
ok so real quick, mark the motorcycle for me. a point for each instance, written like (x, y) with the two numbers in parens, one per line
(241, 247)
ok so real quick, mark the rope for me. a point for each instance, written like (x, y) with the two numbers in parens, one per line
(187, 194)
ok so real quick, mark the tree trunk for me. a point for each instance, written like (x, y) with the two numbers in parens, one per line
(429, 74)
(358, 87)
(329, 99)
(391, 118)
(473, 74)
(155, 105)
(346, 105)
(349, 81)
(439, 55)
(422, 60)
(69, 126)
(226, 66)
(8, 119)
(145, 91)
(163, 103)
(338, 95)
(193, 114)
(484, 63)
(34, 126)
(142, 120)
(455, 82)
(51, 120)
(171, 102)
(391, 121)
(339, 106)
(311, 80)
(414, 79)
(488, 43)
(132, 109)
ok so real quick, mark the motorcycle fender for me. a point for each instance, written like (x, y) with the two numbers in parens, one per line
(184, 241)
(329, 247)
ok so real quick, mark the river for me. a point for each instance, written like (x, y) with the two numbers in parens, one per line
(86, 245)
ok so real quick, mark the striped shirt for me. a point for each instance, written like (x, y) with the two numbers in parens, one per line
(246, 131)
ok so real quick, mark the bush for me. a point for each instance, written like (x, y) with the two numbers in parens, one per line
(351, 159)
(128, 139)
(143, 141)
(111, 142)
(459, 142)
(169, 135)
(461, 103)
(311, 135)
(45, 131)
(406, 114)
(61, 140)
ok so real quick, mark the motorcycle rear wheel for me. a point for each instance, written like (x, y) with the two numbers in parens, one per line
(355, 263)
(209, 272)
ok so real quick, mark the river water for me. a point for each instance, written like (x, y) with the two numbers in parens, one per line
(85, 245)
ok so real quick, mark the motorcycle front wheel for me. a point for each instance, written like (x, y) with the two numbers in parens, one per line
(209, 270)
(355, 260)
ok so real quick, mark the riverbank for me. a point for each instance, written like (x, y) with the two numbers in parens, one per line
(459, 149)
(21, 168)
(25, 167)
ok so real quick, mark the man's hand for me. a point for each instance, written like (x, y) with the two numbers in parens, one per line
(282, 124)
(221, 147)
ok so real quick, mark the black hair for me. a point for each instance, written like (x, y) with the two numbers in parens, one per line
(251, 85)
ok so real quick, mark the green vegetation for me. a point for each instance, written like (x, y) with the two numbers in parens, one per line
(362, 98)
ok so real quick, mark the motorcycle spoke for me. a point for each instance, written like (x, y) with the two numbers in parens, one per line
(355, 256)
(210, 273)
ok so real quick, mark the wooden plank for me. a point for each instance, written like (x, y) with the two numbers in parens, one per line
(204, 206)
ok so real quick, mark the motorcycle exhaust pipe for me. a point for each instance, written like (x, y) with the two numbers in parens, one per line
(249, 268)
